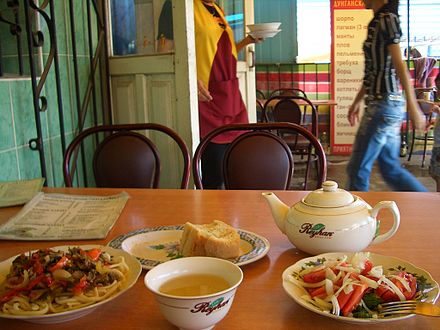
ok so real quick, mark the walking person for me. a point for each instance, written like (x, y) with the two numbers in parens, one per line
(378, 135)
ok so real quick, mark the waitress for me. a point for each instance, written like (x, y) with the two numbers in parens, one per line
(220, 101)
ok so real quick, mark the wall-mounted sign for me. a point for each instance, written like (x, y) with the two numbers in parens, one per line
(349, 29)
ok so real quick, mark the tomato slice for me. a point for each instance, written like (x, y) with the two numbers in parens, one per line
(355, 298)
(314, 277)
(387, 295)
(367, 267)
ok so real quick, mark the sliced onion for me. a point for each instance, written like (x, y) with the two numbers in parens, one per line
(348, 269)
(376, 271)
(359, 259)
(323, 304)
(371, 283)
(336, 309)
(61, 274)
(329, 274)
(329, 287)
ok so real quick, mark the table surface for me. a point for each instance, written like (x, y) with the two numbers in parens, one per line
(260, 302)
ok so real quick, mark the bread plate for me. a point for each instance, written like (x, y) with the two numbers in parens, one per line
(387, 262)
(155, 245)
(135, 270)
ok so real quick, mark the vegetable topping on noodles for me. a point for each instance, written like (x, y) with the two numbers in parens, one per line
(354, 287)
(48, 281)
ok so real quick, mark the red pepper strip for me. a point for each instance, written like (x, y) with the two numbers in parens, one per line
(314, 277)
(94, 254)
(60, 264)
(8, 295)
(80, 286)
(357, 294)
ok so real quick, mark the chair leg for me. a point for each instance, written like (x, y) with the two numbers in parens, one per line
(412, 144)
(424, 149)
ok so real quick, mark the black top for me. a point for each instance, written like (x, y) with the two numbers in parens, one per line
(165, 28)
(380, 75)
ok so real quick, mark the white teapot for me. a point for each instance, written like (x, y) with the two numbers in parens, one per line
(331, 219)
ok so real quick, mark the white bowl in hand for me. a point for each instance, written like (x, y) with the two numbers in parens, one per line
(273, 26)
(189, 309)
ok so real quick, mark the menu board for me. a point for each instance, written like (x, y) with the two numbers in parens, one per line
(349, 29)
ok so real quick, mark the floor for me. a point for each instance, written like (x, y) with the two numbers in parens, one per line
(337, 172)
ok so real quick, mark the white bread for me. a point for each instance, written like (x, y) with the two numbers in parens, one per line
(216, 239)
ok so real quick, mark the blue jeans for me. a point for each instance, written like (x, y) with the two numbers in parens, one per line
(378, 138)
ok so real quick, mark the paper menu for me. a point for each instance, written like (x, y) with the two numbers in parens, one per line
(19, 192)
(65, 217)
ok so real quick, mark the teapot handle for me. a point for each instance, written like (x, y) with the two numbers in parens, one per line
(396, 215)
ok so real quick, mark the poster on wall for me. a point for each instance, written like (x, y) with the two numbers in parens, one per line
(349, 21)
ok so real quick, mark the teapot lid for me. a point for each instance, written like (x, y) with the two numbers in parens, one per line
(329, 196)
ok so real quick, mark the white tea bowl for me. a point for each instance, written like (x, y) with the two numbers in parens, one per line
(194, 312)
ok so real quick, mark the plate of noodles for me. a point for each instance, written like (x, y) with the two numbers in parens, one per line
(63, 283)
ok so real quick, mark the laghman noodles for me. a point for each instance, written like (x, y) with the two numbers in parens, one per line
(47, 281)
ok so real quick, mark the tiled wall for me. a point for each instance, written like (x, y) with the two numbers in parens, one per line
(17, 118)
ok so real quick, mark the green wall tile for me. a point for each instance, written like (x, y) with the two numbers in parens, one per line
(9, 166)
(6, 123)
(23, 111)
(29, 161)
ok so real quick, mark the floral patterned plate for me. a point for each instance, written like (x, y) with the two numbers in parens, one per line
(154, 245)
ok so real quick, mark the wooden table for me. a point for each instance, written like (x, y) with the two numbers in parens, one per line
(261, 302)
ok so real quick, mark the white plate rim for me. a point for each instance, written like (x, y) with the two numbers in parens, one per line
(290, 288)
(135, 271)
(259, 243)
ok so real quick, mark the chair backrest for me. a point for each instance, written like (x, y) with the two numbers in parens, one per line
(292, 109)
(260, 107)
(259, 158)
(288, 92)
(125, 158)
(260, 95)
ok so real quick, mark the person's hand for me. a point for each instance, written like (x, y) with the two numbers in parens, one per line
(353, 113)
(252, 40)
(416, 116)
(203, 93)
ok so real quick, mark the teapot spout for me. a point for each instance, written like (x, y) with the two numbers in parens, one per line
(278, 208)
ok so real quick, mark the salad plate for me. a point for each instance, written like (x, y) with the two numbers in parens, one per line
(134, 267)
(431, 293)
(155, 245)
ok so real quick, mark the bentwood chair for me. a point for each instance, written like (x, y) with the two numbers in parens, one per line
(298, 110)
(259, 158)
(260, 110)
(288, 92)
(427, 109)
(124, 158)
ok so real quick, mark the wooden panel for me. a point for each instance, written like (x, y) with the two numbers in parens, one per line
(162, 102)
(123, 98)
